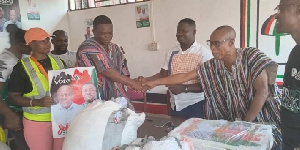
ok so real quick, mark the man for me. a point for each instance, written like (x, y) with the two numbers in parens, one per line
(65, 96)
(32, 9)
(108, 60)
(186, 99)
(88, 33)
(13, 20)
(145, 16)
(237, 82)
(60, 43)
(89, 92)
(2, 19)
(12, 114)
(288, 21)
(65, 110)
(28, 87)
(139, 14)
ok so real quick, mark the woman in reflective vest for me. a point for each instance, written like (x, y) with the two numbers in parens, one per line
(29, 88)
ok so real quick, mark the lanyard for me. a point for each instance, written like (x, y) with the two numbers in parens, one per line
(41, 68)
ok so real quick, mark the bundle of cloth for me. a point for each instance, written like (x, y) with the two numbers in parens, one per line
(103, 125)
(222, 134)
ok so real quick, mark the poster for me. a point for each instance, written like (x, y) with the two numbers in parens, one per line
(88, 28)
(9, 14)
(33, 12)
(142, 16)
(71, 90)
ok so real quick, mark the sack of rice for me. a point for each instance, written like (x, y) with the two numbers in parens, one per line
(103, 126)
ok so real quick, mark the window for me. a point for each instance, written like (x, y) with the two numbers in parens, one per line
(86, 4)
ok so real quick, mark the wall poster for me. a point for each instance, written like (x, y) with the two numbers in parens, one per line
(9, 14)
(33, 12)
(142, 16)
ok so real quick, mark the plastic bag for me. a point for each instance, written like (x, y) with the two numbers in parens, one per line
(149, 143)
(4, 146)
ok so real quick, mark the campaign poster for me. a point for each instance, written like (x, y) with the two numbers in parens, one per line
(88, 28)
(71, 90)
(142, 16)
(9, 14)
(33, 12)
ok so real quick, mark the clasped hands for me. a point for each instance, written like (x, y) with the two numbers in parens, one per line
(141, 84)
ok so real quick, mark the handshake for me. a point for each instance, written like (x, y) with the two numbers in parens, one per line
(141, 84)
(144, 84)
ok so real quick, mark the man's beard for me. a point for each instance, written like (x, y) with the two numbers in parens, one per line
(62, 51)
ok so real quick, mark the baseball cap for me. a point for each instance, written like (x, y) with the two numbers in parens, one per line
(37, 34)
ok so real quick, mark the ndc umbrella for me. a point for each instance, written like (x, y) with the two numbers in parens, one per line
(269, 28)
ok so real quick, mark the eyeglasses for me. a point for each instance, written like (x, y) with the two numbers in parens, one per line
(216, 43)
(279, 8)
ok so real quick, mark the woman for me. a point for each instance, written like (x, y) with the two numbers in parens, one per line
(29, 88)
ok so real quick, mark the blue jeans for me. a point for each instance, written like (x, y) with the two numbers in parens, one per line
(192, 111)
(290, 127)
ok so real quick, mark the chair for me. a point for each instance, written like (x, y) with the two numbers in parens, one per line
(147, 102)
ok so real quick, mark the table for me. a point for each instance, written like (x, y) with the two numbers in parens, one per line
(149, 129)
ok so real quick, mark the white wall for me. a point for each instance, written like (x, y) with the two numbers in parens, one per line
(208, 15)
(53, 15)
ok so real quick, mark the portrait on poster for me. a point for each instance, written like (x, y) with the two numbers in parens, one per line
(33, 12)
(71, 90)
(9, 14)
(88, 28)
(142, 16)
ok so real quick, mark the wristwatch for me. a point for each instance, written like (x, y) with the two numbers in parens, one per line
(186, 89)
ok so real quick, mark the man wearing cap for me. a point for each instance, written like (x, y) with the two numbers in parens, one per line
(29, 88)
(60, 43)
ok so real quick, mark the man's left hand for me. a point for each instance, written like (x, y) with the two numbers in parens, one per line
(177, 89)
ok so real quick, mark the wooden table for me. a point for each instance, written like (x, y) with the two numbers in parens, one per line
(149, 129)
